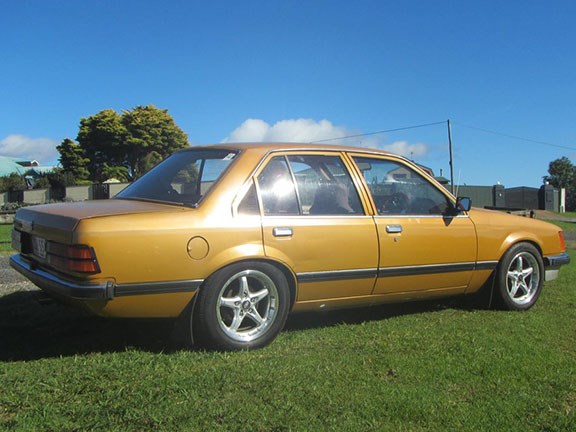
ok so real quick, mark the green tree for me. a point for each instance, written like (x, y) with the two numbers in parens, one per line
(150, 160)
(73, 159)
(102, 137)
(152, 136)
(563, 175)
(127, 145)
(116, 172)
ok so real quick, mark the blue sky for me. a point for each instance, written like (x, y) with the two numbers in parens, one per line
(303, 70)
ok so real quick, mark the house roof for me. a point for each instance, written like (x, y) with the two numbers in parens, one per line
(39, 170)
(10, 165)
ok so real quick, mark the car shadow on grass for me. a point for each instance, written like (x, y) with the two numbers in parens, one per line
(30, 330)
(308, 320)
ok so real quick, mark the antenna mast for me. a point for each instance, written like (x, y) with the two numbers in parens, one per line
(451, 160)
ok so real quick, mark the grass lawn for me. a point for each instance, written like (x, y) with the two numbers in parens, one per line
(5, 239)
(419, 367)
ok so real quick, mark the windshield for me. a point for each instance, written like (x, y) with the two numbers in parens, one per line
(183, 178)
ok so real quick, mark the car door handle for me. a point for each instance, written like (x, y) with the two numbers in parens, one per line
(282, 232)
(393, 229)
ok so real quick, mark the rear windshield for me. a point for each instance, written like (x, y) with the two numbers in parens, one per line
(183, 178)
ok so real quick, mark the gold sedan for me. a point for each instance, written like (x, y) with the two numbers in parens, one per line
(231, 238)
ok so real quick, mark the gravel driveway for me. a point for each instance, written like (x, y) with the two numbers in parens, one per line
(10, 280)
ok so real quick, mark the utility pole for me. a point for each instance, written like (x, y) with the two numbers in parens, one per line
(451, 160)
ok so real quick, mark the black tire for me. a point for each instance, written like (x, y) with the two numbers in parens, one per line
(519, 277)
(240, 307)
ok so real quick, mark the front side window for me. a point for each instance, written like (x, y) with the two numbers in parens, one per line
(183, 178)
(399, 190)
(308, 185)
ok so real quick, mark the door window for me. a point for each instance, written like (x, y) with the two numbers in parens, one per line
(399, 190)
(308, 185)
(277, 189)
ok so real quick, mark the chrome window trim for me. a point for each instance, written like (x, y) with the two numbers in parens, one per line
(309, 216)
(418, 216)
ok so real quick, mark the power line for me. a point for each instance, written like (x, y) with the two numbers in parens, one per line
(380, 132)
(515, 137)
(519, 138)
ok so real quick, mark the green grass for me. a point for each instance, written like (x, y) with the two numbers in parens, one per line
(426, 366)
(567, 214)
(567, 227)
(5, 238)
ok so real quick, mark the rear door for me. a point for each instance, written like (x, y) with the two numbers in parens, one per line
(422, 248)
(313, 220)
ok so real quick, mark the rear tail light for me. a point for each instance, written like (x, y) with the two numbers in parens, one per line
(76, 258)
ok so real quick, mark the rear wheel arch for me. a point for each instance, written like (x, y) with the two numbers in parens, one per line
(288, 274)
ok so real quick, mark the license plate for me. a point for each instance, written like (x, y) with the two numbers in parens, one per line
(16, 240)
(39, 246)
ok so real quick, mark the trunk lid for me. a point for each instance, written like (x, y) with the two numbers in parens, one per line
(57, 222)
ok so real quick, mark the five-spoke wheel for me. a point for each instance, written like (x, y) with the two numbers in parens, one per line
(242, 306)
(247, 305)
(520, 277)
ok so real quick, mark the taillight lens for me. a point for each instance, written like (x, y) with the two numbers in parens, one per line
(562, 241)
(75, 258)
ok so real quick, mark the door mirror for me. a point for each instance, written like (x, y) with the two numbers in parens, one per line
(463, 204)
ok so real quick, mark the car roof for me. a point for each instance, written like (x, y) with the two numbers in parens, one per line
(266, 147)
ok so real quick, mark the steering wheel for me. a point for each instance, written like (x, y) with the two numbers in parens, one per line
(398, 203)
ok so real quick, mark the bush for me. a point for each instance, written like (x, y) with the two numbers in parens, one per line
(13, 182)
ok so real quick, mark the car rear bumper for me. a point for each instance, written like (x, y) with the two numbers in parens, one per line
(552, 265)
(101, 290)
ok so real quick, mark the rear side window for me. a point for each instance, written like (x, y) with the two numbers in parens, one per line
(183, 178)
(308, 185)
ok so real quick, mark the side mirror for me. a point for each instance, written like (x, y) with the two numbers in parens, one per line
(463, 204)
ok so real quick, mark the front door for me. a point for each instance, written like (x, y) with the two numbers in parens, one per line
(422, 248)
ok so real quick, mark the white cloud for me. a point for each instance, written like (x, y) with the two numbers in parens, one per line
(291, 130)
(41, 149)
(307, 130)
(405, 149)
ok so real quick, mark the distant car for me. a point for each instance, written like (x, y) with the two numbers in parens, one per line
(233, 237)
